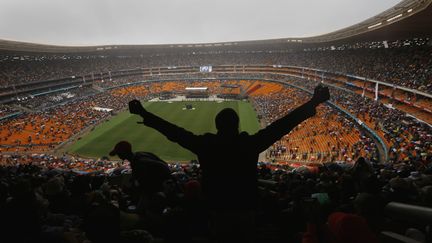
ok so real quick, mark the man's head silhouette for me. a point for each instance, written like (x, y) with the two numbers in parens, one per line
(227, 121)
(123, 150)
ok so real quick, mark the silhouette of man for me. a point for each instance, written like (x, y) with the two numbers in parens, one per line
(228, 159)
(147, 169)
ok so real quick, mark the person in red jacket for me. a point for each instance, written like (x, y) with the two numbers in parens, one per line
(340, 228)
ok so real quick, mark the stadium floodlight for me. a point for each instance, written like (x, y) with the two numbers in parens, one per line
(409, 10)
(375, 25)
(394, 17)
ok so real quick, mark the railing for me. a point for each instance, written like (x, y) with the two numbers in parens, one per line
(409, 215)
(10, 116)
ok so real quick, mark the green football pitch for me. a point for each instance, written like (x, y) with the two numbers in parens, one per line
(123, 126)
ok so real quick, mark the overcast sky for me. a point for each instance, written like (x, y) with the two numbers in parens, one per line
(100, 22)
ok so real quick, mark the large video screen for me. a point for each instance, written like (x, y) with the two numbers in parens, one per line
(206, 69)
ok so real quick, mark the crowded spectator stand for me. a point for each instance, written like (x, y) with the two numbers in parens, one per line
(54, 198)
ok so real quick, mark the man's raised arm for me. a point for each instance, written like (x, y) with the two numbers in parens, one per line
(275, 131)
(174, 133)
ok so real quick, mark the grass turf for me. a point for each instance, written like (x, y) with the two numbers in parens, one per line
(123, 126)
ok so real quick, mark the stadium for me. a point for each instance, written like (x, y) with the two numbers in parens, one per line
(358, 170)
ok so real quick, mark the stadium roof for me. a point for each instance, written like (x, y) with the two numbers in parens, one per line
(409, 18)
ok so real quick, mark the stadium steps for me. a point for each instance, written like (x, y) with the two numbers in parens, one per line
(268, 88)
(253, 89)
(247, 88)
(98, 88)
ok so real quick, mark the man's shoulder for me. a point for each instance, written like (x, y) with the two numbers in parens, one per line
(244, 134)
(147, 156)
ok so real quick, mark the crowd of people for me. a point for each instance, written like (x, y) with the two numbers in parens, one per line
(48, 204)
(414, 42)
(404, 62)
(46, 198)
(52, 124)
(65, 199)
(56, 98)
(330, 136)
(407, 138)
(6, 110)
(51, 121)
(65, 163)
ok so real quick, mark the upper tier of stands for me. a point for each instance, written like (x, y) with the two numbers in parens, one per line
(406, 63)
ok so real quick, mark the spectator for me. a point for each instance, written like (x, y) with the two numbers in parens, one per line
(238, 189)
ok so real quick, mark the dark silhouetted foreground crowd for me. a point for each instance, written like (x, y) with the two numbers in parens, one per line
(43, 204)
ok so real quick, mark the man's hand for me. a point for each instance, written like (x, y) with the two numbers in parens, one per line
(321, 94)
(135, 107)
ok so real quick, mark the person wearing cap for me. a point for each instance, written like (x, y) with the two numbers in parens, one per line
(148, 170)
